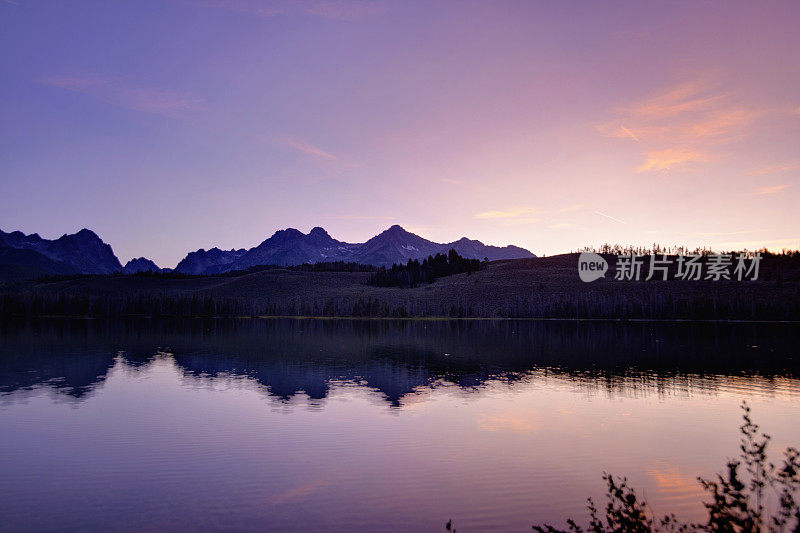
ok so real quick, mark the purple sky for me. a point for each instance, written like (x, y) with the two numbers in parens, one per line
(171, 126)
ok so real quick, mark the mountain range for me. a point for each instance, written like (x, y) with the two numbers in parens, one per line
(293, 247)
(30, 256)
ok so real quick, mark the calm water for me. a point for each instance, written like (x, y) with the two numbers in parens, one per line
(385, 426)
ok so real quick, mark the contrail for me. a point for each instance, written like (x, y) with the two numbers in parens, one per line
(610, 217)
(630, 133)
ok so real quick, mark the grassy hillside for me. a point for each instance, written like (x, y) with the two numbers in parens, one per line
(537, 288)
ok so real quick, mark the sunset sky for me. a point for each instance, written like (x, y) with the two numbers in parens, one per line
(170, 126)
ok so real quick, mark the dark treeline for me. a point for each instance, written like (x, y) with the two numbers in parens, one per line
(651, 304)
(660, 249)
(414, 273)
(329, 266)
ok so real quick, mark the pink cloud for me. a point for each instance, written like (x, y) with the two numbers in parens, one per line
(774, 169)
(683, 124)
(303, 146)
(770, 189)
(670, 159)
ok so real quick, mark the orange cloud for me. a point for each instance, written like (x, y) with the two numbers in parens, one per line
(677, 159)
(521, 215)
(770, 189)
(692, 119)
(688, 96)
(723, 123)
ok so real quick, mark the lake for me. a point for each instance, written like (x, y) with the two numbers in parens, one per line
(335, 425)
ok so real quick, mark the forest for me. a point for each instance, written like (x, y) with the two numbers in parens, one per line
(432, 268)
(440, 286)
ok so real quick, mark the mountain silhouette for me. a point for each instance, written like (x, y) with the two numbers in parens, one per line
(79, 253)
(30, 256)
(211, 261)
(140, 264)
(293, 247)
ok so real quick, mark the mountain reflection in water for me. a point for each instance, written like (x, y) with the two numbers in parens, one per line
(290, 358)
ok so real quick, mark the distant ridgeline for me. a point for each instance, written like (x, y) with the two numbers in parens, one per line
(411, 274)
(27, 257)
(292, 247)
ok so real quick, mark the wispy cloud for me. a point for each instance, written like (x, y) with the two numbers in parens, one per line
(301, 146)
(770, 189)
(513, 212)
(116, 92)
(452, 181)
(722, 233)
(562, 225)
(682, 124)
(691, 96)
(360, 217)
(309, 149)
(519, 215)
(775, 169)
(670, 159)
(351, 10)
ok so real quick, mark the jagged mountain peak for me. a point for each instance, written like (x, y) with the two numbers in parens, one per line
(318, 231)
(396, 232)
(85, 252)
(81, 252)
(396, 229)
(140, 264)
(84, 232)
(289, 231)
(291, 247)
